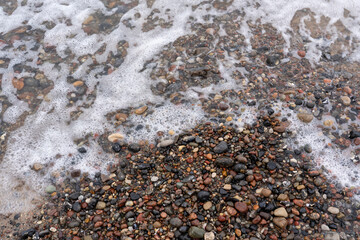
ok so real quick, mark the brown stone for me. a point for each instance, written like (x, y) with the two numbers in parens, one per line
(280, 222)
(266, 192)
(231, 211)
(241, 207)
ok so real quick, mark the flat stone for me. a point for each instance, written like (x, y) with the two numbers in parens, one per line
(345, 100)
(333, 210)
(332, 236)
(224, 162)
(227, 187)
(115, 137)
(209, 236)
(241, 207)
(50, 189)
(305, 117)
(100, 205)
(166, 143)
(176, 222)
(196, 232)
(266, 192)
(280, 222)
(141, 110)
(281, 212)
(207, 205)
(221, 147)
(37, 166)
(282, 197)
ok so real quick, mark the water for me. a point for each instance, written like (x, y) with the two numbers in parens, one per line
(115, 47)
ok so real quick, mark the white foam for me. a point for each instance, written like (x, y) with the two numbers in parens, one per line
(47, 132)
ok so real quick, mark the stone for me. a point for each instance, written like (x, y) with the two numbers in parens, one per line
(74, 224)
(332, 236)
(224, 162)
(241, 207)
(166, 143)
(281, 212)
(221, 147)
(100, 205)
(305, 117)
(345, 100)
(227, 187)
(324, 227)
(280, 222)
(301, 53)
(266, 192)
(282, 197)
(37, 166)
(115, 137)
(176, 222)
(50, 189)
(203, 196)
(141, 110)
(196, 232)
(207, 205)
(209, 236)
(333, 210)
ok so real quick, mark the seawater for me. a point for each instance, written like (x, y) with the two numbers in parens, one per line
(50, 131)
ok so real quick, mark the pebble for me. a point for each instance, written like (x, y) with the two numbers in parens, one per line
(196, 232)
(332, 236)
(333, 210)
(225, 162)
(154, 178)
(266, 192)
(209, 236)
(221, 147)
(227, 187)
(176, 222)
(37, 166)
(141, 110)
(100, 205)
(305, 117)
(241, 207)
(280, 222)
(50, 189)
(281, 212)
(346, 100)
(115, 137)
(282, 197)
(203, 196)
(207, 205)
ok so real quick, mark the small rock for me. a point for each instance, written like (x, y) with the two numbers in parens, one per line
(50, 189)
(324, 227)
(332, 236)
(280, 222)
(209, 236)
(176, 222)
(100, 205)
(37, 166)
(74, 224)
(333, 210)
(196, 232)
(227, 187)
(115, 137)
(166, 143)
(207, 205)
(305, 117)
(345, 100)
(301, 53)
(282, 197)
(266, 192)
(241, 207)
(221, 147)
(281, 212)
(203, 196)
(141, 110)
(224, 162)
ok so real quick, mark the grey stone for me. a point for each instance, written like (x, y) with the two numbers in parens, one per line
(196, 232)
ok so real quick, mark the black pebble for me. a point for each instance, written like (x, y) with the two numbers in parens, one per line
(116, 147)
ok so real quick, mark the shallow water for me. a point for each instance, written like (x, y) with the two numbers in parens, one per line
(69, 66)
